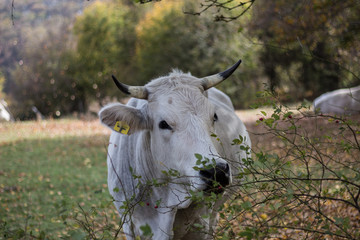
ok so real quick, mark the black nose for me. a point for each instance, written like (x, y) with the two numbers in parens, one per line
(220, 174)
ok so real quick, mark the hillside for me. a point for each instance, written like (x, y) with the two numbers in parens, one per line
(31, 21)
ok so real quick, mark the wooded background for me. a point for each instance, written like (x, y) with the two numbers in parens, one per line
(59, 55)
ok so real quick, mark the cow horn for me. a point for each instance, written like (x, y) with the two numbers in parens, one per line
(134, 91)
(213, 80)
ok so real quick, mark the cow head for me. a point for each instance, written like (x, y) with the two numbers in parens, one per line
(177, 119)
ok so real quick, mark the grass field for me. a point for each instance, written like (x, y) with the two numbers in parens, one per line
(44, 165)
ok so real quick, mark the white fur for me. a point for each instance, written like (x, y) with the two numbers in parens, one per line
(180, 101)
(341, 101)
(4, 114)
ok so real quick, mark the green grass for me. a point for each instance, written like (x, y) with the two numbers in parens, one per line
(40, 173)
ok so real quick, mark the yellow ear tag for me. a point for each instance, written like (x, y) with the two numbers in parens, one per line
(121, 127)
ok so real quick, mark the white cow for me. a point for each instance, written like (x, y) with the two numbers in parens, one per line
(165, 124)
(341, 101)
(4, 113)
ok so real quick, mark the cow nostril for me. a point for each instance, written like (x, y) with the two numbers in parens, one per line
(217, 175)
(227, 168)
(208, 174)
(222, 174)
(223, 168)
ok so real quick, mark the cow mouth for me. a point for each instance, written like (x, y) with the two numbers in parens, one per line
(215, 179)
(214, 189)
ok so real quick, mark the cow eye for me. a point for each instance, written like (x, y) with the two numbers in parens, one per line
(215, 117)
(164, 125)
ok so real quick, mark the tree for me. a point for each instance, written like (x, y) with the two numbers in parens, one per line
(42, 80)
(167, 38)
(316, 37)
(137, 48)
(224, 10)
(105, 45)
(30, 33)
(2, 81)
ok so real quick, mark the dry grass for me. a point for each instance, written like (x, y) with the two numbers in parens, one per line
(19, 131)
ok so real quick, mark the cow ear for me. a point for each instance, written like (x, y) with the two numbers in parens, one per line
(123, 119)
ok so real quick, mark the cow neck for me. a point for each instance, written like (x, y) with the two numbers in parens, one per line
(145, 164)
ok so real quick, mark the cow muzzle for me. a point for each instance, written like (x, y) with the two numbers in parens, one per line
(216, 178)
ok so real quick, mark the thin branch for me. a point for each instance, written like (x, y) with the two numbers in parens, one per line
(12, 12)
(223, 6)
(329, 198)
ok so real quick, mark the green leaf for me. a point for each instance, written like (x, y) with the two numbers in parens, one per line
(213, 135)
(205, 216)
(288, 114)
(196, 168)
(275, 116)
(248, 233)
(246, 205)
(157, 202)
(77, 235)
(198, 156)
(269, 122)
(236, 142)
(290, 193)
(146, 229)
(198, 225)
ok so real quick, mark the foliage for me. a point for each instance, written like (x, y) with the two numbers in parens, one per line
(31, 18)
(166, 38)
(304, 183)
(114, 37)
(243, 84)
(301, 56)
(105, 45)
(2, 81)
(9, 52)
(315, 42)
(38, 34)
(226, 11)
(71, 77)
(44, 81)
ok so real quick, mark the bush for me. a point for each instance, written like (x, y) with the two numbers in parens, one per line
(302, 181)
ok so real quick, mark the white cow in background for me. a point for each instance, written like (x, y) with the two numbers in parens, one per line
(342, 101)
(166, 123)
(4, 112)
